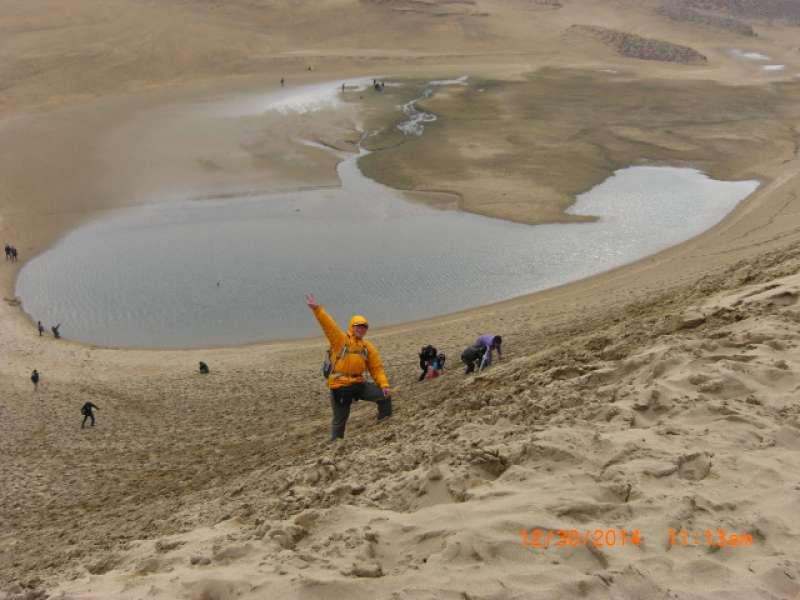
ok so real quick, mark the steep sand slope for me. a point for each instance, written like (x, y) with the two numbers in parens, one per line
(659, 395)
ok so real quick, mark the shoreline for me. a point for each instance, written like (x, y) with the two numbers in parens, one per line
(417, 324)
(381, 330)
(187, 95)
(165, 95)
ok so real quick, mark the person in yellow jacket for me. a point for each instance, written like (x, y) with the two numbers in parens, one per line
(351, 356)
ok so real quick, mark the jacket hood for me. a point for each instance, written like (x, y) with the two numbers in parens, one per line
(356, 319)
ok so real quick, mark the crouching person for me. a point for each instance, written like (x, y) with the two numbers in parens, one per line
(351, 356)
(479, 355)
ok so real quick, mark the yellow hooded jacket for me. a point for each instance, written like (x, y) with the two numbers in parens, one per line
(349, 369)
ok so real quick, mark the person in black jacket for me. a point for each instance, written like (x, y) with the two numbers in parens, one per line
(86, 411)
(35, 379)
(426, 357)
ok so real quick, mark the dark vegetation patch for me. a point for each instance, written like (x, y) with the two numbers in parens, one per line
(786, 10)
(678, 11)
(636, 46)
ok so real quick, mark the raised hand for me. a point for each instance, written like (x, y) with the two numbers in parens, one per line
(311, 301)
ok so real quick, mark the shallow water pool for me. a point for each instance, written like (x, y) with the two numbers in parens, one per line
(224, 272)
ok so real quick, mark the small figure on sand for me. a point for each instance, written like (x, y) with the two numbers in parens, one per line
(14, 255)
(281, 81)
(35, 380)
(8, 252)
(480, 353)
(86, 411)
(350, 356)
(56, 333)
(40, 327)
(203, 368)
(435, 367)
(426, 357)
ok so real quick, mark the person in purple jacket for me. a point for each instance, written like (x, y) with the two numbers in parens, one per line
(480, 353)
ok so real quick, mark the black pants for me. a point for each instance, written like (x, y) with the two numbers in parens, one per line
(343, 397)
(472, 356)
(424, 367)
(88, 416)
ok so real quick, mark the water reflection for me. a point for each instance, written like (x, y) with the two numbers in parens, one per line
(148, 277)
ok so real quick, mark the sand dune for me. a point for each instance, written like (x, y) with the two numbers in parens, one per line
(691, 425)
(660, 396)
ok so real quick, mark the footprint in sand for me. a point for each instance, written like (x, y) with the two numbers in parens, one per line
(694, 466)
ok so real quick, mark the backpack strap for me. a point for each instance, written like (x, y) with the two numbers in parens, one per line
(346, 350)
(341, 354)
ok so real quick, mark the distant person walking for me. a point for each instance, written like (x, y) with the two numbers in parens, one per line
(86, 411)
(13, 254)
(54, 329)
(480, 353)
(350, 356)
(40, 327)
(35, 380)
(8, 252)
(281, 81)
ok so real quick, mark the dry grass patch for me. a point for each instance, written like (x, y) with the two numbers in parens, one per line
(523, 150)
